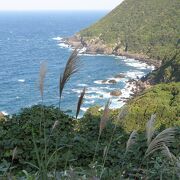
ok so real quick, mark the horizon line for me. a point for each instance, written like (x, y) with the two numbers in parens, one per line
(21, 10)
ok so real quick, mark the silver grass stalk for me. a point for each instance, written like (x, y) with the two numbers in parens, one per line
(14, 153)
(167, 153)
(42, 75)
(131, 141)
(150, 128)
(105, 117)
(72, 66)
(165, 137)
(80, 102)
(55, 124)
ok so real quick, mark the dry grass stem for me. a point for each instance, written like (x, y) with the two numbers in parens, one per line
(55, 124)
(167, 153)
(72, 66)
(42, 75)
(14, 153)
(105, 117)
(150, 128)
(131, 141)
(165, 137)
(80, 101)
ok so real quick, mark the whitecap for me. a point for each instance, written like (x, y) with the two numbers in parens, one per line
(63, 45)
(98, 82)
(84, 109)
(138, 64)
(4, 113)
(82, 50)
(57, 38)
(92, 96)
(21, 80)
(89, 102)
(82, 85)
(135, 74)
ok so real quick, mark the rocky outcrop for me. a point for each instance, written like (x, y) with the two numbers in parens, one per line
(98, 46)
(2, 116)
(111, 81)
(115, 93)
(120, 76)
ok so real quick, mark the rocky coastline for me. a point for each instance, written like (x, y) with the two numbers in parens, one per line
(96, 46)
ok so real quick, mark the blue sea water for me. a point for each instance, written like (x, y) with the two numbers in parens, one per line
(28, 38)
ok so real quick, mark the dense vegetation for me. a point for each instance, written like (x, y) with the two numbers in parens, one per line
(162, 99)
(44, 143)
(151, 27)
(76, 141)
(168, 72)
(140, 141)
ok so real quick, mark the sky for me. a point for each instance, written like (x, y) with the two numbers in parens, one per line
(58, 4)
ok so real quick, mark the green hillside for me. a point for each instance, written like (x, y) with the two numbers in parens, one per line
(150, 27)
(168, 72)
(162, 99)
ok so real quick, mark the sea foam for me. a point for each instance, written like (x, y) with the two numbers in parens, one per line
(21, 80)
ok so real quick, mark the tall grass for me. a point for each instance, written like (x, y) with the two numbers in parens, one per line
(102, 125)
(80, 101)
(72, 66)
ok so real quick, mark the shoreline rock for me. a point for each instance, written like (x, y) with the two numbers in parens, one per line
(97, 46)
(116, 93)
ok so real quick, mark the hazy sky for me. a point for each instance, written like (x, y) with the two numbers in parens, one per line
(58, 4)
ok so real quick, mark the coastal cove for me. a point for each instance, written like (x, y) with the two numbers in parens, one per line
(43, 43)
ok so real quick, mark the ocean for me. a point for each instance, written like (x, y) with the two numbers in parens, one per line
(29, 38)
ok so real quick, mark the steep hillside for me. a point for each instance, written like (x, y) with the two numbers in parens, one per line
(168, 72)
(162, 99)
(148, 27)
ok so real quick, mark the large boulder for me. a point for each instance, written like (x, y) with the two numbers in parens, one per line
(120, 76)
(112, 81)
(115, 93)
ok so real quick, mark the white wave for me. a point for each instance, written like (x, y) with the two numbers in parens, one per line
(84, 109)
(107, 81)
(76, 90)
(82, 85)
(21, 80)
(104, 94)
(98, 82)
(63, 45)
(57, 38)
(4, 113)
(138, 64)
(86, 54)
(135, 74)
(92, 96)
(82, 50)
(89, 102)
